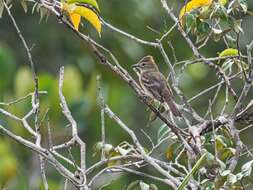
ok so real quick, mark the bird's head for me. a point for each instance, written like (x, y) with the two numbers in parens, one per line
(147, 63)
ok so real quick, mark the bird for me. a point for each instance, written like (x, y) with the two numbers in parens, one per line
(154, 83)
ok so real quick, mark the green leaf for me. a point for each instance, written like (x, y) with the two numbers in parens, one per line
(90, 2)
(133, 185)
(217, 34)
(191, 173)
(239, 176)
(190, 20)
(106, 147)
(203, 27)
(230, 40)
(153, 187)
(238, 26)
(24, 5)
(227, 153)
(223, 2)
(243, 5)
(198, 71)
(247, 169)
(220, 143)
(163, 132)
(222, 12)
(225, 173)
(231, 179)
(229, 52)
(144, 186)
(44, 13)
(122, 151)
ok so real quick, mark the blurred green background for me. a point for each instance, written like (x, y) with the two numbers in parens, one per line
(54, 46)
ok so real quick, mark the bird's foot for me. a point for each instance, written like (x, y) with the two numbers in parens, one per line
(146, 98)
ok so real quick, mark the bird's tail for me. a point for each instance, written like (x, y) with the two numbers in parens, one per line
(173, 108)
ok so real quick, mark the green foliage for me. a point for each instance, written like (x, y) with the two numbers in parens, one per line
(7, 68)
(8, 164)
(55, 46)
(196, 167)
(23, 82)
(216, 20)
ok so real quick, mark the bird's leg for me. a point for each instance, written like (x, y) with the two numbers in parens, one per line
(146, 98)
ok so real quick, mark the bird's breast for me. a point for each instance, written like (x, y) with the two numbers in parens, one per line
(146, 90)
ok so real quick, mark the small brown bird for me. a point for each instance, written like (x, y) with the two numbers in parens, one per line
(154, 83)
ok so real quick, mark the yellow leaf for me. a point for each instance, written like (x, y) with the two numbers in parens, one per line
(89, 15)
(170, 153)
(75, 19)
(194, 4)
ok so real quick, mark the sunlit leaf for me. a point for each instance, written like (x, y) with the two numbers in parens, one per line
(75, 19)
(90, 16)
(227, 153)
(247, 168)
(84, 12)
(194, 4)
(229, 52)
(115, 162)
(219, 143)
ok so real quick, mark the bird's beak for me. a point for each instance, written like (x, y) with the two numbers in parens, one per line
(135, 66)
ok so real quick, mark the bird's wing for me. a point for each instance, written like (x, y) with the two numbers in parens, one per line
(154, 82)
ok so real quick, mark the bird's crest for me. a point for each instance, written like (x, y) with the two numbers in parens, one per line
(147, 59)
